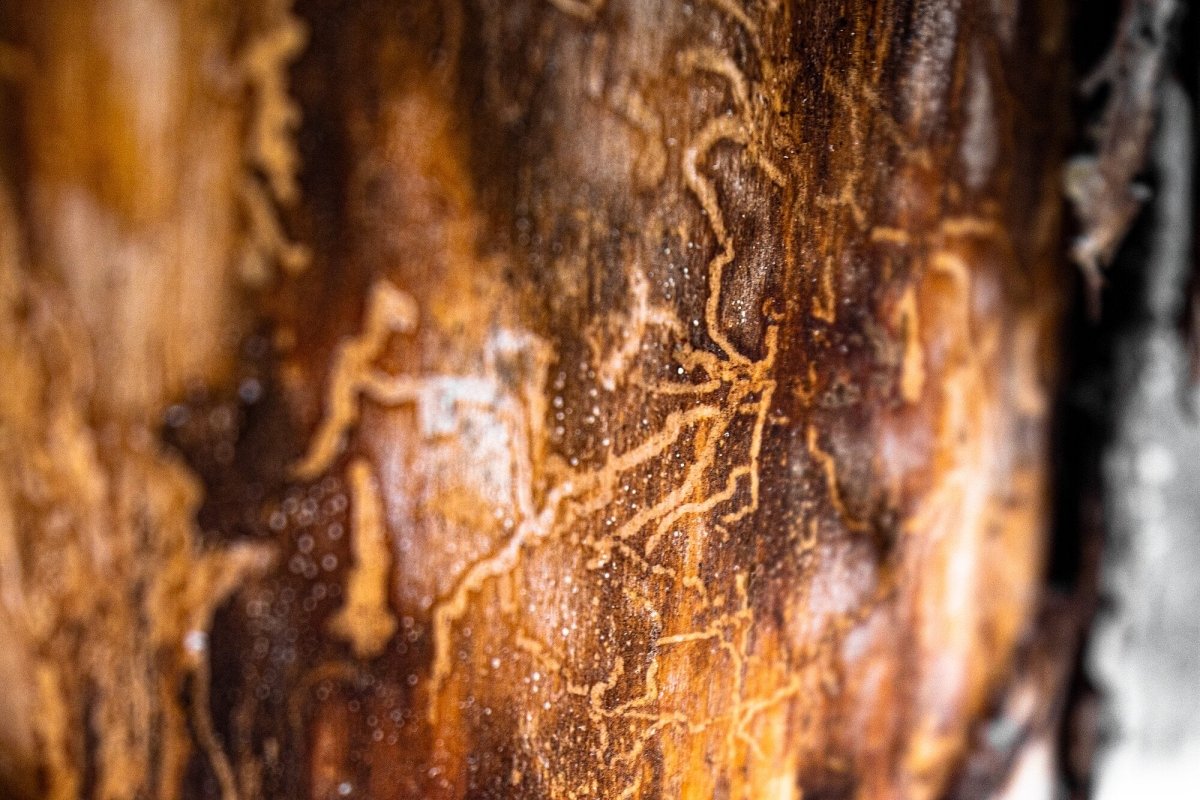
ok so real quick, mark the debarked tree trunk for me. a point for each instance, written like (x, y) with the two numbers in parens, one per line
(520, 398)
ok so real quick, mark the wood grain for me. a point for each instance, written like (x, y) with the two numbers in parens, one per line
(640, 399)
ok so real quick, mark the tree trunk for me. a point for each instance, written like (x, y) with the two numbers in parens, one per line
(521, 398)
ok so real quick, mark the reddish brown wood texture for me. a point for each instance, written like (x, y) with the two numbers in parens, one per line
(657, 406)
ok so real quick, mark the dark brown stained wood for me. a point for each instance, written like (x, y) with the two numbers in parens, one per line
(636, 399)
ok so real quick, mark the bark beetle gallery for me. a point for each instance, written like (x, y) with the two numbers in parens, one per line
(539, 398)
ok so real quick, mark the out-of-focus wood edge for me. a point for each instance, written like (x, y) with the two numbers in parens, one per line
(130, 161)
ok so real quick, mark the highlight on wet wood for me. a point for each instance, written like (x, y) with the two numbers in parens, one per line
(531, 399)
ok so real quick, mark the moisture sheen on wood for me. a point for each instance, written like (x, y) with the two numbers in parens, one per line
(644, 399)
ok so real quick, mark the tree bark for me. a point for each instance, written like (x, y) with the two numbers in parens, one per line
(587, 398)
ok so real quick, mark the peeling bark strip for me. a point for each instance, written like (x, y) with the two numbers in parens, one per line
(660, 410)
(1102, 185)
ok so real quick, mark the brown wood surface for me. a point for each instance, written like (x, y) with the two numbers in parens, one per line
(549, 398)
